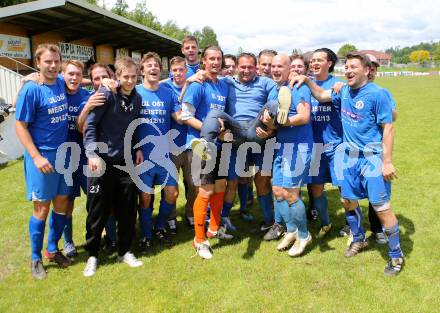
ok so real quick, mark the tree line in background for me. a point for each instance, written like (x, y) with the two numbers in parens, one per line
(142, 15)
(420, 54)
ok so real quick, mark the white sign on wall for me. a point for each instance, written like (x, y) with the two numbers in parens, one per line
(70, 51)
(15, 46)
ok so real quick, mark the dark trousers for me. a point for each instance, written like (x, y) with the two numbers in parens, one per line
(243, 131)
(114, 189)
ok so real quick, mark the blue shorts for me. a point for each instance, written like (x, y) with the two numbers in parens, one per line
(291, 168)
(43, 187)
(364, 180)
(325, 173)
(160, 176)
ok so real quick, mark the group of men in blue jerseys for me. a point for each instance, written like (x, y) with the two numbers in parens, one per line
(226, 122)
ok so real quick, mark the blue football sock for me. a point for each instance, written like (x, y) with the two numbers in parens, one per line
(300, 218)
(282, 207)
(110, 228)
(67, 232)
(321, 205)
(277, 214)
(145, 217)
(250, 195)
(36, 234)
(266, 203)
(354, 220)
(394, 250)
(227, 206)
(243, 195)
(164, 213)
(57, 222)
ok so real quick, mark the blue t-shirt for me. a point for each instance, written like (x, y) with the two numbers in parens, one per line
(157, 107)
(326, 119)
(246, 100)
(45, 109)
(192, 69)
(363, 111)
(182, 129)
(205, 97)
(76, 104)
(297, 134)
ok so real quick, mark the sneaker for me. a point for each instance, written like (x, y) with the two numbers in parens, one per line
(354, 248)
(130, 259)
(162, 237)
(189, 221)
(288, 240)
(324, 231)
(144, 244)
(172, 226)
(199, 147)
(57, 258)
(345, 231)
(37, 270)
(265, 226)
(248, 217)
(381, 238)
(226, 222)
(394, 266)
(284, 103)
(275, 232)
(90, 269)
(70, 250)
(219, 234)
(203, 249)
(300, 245)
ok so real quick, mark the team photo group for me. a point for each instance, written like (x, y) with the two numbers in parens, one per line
(218, 126)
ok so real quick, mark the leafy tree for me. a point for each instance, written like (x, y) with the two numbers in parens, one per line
(171, 29)
(296, 51)
(345, 49)
(436, 54)
(208, 37)
(143, 16)
(6, 3)
(419, 56)
(239, 51)
(120, 8)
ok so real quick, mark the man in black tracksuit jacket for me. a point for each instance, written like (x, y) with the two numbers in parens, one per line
(114, 188)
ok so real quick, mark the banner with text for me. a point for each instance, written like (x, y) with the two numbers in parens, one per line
(15, 46)
(70, 51)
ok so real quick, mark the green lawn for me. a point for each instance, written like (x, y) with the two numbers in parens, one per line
(247, 274)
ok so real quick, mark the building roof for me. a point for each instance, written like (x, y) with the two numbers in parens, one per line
(378, 54)
(77, 19)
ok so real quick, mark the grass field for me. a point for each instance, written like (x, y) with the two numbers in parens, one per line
(247, 274)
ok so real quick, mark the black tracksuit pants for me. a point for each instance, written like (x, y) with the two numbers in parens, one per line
(114, 189)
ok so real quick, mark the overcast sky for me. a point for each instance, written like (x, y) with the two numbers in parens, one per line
(305, 24)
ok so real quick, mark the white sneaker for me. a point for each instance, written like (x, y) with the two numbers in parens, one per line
(287, 241)
(200, 148)
(300, 245)
(90, 269)
(130, 259)
(203, 249)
